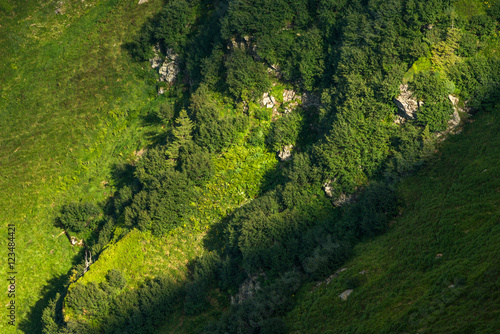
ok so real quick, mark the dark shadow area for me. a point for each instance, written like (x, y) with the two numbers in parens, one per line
(33, 321)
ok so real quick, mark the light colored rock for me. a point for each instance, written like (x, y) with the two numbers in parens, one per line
(268, 100)
(168, 71)
(247, 289)
(288, 95)
(310, 99)
(156, 60)
(161, 91)
(406, 103)
(328, 188)
(286, 153)
(344, 199)
(345, 294)
(142, 1)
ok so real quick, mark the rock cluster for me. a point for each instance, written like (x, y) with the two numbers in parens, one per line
(286, 153)
(268, 100)
(247, 289)
(407, 104)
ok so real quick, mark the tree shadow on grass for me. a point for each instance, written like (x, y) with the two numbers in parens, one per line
(32, 323)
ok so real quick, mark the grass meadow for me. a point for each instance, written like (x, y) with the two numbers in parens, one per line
(71, 105)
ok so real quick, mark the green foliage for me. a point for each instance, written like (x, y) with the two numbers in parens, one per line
(285, 131)
(257, 18)
(115, 279)
(196, 164)
(174, 23)
(436, 116)
(164, 204)
(212, 131)
(182, 135)
(246, 78)
(51, 316)
(76, 217)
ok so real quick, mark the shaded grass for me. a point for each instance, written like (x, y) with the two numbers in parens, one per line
(436, 270)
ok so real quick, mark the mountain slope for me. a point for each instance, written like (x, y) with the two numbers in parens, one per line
(436, 270)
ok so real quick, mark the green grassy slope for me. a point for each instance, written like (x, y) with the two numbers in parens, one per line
(70, 107)
(436, 270)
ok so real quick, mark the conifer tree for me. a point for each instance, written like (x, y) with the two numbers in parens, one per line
(182, 133)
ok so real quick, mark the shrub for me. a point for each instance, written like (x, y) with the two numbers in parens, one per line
(115, 279)
(76, 217)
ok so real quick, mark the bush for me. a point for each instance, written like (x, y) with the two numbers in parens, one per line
(246, 79)
(115, 279)
(76, 217)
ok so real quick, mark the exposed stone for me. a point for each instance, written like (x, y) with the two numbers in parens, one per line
(156, 60)
(161, 90)
(455, 120)
(288, 95)
(247, 289)
(168, 71)
(75, 242)
(286, 153)
(268, 100)
(310, 99)
(406, 104)
(59, 10)
(330, 278)
(142, 1)
(343, 199)
(345, 294)
(328, 188)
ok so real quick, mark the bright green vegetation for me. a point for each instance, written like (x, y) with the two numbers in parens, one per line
(70, 100)
(436, 269)
(180, 197)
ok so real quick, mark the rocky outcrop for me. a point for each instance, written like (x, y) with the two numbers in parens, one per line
(168, 71)
(407, 104)
(344, 199)
(247, 289)
(142, 1)
(286, 153)
(268, 100)
(327, 187)
(156, 60)
(288, 95)
(310, 99)
(455, 119)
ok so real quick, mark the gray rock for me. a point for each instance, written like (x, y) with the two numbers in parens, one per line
(247, 289)
(288, 95)
(142, 1)
(156, 60)
(327, 187)
(310, 99)
(407, 105)
(286, 153)
(345, 294)
(344, 199)
(168, 71)
(268, 100)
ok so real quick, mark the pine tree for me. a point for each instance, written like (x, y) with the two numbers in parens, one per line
(182, 133)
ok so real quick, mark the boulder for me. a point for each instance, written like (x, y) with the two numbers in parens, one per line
(406, 103)
(345, 294)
